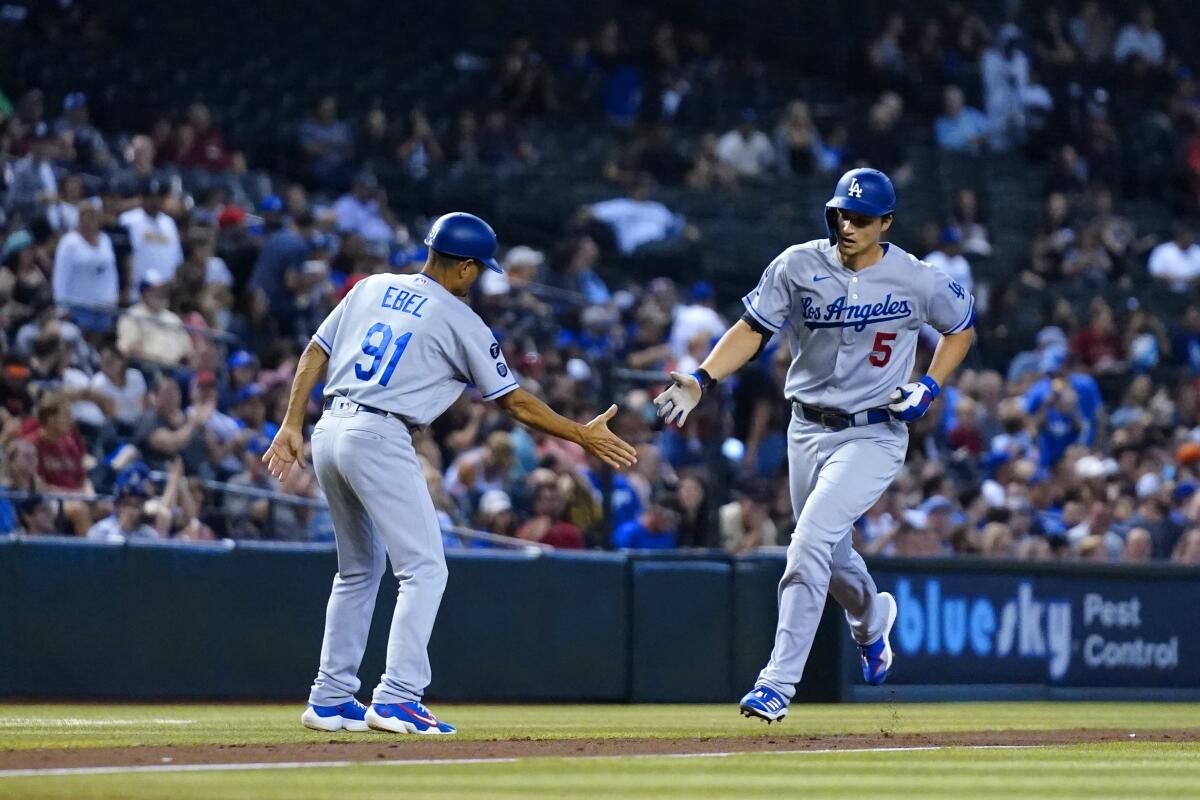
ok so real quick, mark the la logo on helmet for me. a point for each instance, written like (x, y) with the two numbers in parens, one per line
(855, 190)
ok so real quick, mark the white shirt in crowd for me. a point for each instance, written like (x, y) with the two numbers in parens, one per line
(692, 321)
(363, 218)
(748, 157)
(129, 400)
(85, 273)
(1134, 41)
(1169, 262)
(155, 245)
(109, 530)
(216, 271)
(957, 267)
(85, 412)
(637, 222)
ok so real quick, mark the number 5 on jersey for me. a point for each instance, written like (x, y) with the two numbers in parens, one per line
(377, 350)
(881, 350)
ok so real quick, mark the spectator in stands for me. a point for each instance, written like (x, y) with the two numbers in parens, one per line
(881, 143)
(638, 221)
(798, 145)
(1098, 346)
(142, 166)
(1185, 342)
(1091, 32)
(83, 146)
(327, 145)
(495, 514)
(127, 520)
(886, 54)
(364, 211)
(745, 524)
(18, 476)
(252, 516)
(1005, 73)
(1177, 262)
(36, 516)
(746, 149)
(205, 147)
(960, 128)
(60, 456)
(502, 144)
(696, 527)
(1140, 39)
(280, 278)
(418, 150)
(165, 430)
(698, 318)
(547, 525)
(1087, 259)
(124, 386)
(475, 471)
(968, 218)
(152, 333)
(34, 183)
(153, 238)
(654, 529)
(85, 273)
(949, 257)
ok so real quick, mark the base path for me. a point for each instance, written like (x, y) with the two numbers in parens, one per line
(377, 748)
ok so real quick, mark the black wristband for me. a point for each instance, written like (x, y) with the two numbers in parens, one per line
(704, 379)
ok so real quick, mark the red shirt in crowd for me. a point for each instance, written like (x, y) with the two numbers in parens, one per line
(1098, 349)
(60, 464)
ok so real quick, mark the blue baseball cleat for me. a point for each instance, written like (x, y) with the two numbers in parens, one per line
(765, 703)
(349, 716)
(877, 656)
(406, 718)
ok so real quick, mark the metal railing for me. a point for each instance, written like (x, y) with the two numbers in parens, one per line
(273, 497)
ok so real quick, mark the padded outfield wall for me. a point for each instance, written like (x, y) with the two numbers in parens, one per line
(86, 620)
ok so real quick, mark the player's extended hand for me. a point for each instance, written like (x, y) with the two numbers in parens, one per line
(286, 449)
(606, 445)
(910, 401)
(679, 399)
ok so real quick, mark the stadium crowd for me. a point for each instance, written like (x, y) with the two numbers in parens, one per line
(153, 310)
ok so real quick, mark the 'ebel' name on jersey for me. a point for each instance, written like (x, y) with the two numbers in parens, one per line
(840, 314)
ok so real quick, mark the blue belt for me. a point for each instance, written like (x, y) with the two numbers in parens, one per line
(840, 420)
(412, 426)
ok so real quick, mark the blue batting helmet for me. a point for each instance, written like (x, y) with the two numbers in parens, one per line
(465, 236)
(866, 191)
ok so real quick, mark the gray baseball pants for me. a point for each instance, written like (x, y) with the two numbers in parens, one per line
(381, 509)
(835, 477)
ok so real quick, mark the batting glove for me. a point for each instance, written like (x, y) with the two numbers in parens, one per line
(911, 401)
(680, 398)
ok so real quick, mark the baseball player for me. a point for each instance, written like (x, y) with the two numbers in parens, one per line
(850, 307)
(400, 349)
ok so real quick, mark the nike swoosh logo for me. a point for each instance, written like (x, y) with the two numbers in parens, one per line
(420, 718)
(821, 278)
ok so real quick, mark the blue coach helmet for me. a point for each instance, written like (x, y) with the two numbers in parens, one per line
(867, 191)
(465, 236)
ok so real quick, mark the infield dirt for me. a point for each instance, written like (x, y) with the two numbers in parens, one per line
(373, 748)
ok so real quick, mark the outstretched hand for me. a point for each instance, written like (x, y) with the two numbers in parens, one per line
(286, 449)
(606, 445)
(680, 398)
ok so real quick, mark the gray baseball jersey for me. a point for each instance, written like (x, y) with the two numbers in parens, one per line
(854, 334)
(404, 344)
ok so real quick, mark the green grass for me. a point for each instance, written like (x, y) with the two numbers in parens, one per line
(1121, 769)
(1118, 770)
(24, 727)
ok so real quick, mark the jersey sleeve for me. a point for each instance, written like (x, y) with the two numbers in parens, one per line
(326, 333)
(771, 301)
(483, 362)
(950, 307)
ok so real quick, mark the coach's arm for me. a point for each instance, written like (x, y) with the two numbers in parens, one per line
(288, 446)
(595, 437)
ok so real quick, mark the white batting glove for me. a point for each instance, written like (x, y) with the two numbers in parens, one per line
(910, 401)
(679, 399)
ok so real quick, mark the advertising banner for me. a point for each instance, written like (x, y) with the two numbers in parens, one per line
(1069, 630)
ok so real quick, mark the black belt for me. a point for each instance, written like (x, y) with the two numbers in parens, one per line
(412, 426)
(840, 420)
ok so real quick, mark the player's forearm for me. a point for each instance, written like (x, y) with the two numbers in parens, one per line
(737, 346)
(533, 413)
(950, 352)
(308, 372)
